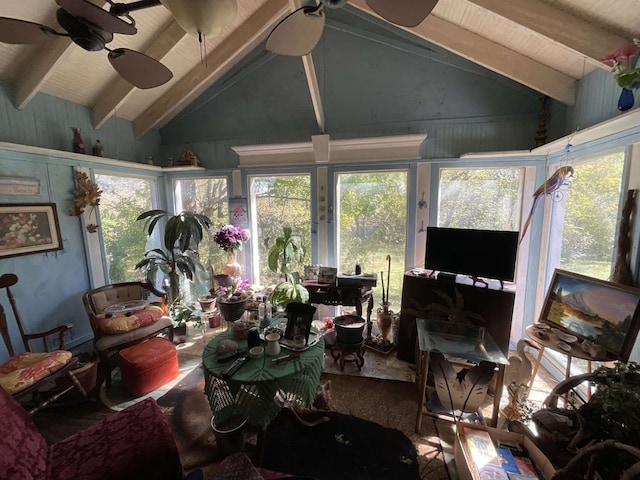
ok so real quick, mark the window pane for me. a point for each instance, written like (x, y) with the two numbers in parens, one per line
(372, 214)
(480, 198)
(125, 240)
(276, 202)
(207, 196)
(590, 216)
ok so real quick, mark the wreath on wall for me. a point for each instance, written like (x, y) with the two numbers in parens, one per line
(86, 195)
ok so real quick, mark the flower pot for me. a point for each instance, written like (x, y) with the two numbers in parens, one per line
(349, 329)
(207, 304)
(230, 434)
(232, 311)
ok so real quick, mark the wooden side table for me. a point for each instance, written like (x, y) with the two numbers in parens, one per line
(551, 341)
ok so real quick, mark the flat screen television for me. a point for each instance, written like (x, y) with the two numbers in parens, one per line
(487, 254)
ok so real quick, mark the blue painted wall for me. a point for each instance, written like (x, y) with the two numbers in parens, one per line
(50, 284)
(46, 122)
(373, 81)
(597, 101)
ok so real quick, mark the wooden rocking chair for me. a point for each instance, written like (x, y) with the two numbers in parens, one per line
(27, 376)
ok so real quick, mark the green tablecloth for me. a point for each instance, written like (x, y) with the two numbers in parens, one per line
(261, 387)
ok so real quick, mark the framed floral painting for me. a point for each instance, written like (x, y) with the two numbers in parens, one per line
(28, 228)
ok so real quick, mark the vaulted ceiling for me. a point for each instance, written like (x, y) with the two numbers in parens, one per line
(544, 44)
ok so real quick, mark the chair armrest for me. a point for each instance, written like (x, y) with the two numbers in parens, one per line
(60, 330)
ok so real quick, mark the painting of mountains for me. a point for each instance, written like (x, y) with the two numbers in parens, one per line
(602, 312)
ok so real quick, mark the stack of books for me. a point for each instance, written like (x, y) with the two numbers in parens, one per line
(501, 461)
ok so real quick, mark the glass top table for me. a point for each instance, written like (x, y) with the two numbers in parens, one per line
(469, 342)
(463, 343)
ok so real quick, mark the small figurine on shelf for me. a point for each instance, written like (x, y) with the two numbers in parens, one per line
(98, 149)
(188, 157)
(78, 143)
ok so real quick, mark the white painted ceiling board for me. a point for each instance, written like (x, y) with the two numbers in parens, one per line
(83, 77)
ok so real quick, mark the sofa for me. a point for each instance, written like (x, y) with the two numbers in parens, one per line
(134, 443)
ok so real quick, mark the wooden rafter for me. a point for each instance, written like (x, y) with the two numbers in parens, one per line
(587, 39)
(231, 50)
(491, 55)
(116, 93)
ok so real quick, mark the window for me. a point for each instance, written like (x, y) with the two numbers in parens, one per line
(371, 224)
(583, 226)
(480, 198)
(207, 196)
(124, 239)
(586, 215)
(275, 202)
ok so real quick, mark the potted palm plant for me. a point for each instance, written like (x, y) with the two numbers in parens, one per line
(178, 255)
(285, 255)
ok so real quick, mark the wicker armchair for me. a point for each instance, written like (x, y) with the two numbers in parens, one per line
(106, 345)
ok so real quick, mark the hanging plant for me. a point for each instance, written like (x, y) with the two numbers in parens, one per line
(86, 195)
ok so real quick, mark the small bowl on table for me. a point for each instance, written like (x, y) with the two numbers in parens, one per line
(256, 352)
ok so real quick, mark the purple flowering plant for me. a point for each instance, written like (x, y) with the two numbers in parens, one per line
(232, 288)
(231, 238)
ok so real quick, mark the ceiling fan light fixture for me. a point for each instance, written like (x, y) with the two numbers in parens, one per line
(202, 17)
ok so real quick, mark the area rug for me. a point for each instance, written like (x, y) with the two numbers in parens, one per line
(382, 408)
(344, 447)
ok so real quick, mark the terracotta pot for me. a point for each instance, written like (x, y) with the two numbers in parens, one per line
(207, 304)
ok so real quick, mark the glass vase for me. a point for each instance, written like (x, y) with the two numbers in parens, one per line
(232, 268)
(626, 100)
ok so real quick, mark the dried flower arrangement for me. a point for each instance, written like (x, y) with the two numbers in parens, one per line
(87, 194)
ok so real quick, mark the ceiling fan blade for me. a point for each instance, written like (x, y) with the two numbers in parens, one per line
(298, 33)
(408, 13)
(139, 69)
(21, 32)
(98, 16)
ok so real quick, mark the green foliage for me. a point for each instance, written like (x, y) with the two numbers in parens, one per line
(122, 200)
(183, 233)
(612, 412)
(372, 224)
(181, 313)
(286, 252)
(287, 292)
(591, 215)
(285, 255)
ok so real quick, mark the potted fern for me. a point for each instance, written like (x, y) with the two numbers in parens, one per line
(285, 255)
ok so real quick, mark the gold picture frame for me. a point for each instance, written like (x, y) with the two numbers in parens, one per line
(28, 228)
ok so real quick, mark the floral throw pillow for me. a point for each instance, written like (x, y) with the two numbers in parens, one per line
(122, 323)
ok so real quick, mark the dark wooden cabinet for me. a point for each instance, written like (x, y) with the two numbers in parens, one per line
(460, 297)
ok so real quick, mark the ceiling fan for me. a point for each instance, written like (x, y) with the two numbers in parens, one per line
(91, 28)
(299, 32)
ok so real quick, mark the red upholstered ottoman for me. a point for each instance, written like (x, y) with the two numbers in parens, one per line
(148, 365)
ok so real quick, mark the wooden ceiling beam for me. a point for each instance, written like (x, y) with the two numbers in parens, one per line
(219, 61)
(491, 55)
(116, 93)
(585, 38)
(314, 90)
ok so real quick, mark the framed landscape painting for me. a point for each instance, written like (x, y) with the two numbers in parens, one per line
(28, 228)
(601, 312)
